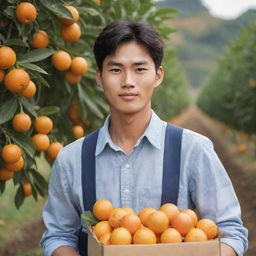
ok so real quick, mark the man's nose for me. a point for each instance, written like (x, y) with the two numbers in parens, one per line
(128, 80)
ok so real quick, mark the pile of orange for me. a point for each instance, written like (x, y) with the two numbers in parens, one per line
(150, 226)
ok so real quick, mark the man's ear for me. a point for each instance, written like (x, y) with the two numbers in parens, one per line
(98, 78)
(159, 76)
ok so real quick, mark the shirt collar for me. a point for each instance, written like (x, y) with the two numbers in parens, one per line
(152, 133)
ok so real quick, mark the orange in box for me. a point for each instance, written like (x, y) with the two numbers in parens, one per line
(206, 248)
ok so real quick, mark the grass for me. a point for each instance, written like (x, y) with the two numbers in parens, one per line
(12, 219)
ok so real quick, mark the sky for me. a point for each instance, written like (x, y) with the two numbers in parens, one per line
(228, 9)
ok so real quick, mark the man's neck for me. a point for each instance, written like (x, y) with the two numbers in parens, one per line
(125, 130)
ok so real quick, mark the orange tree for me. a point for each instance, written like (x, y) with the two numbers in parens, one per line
(230, 94)
(48, 94)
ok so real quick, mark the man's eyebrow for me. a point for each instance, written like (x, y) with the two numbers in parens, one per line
(138, 63)
(114, 63)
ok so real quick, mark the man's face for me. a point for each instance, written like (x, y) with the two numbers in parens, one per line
(128, 78)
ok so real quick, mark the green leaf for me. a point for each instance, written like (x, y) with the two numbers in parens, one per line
(36, 55)
(39, 182)
(16, 42)
(19, 197)
(57, 9)
(9, 13)
(8, 109)
(89, 102)
(164, 11)
(18, 177)
(49, 110)
(89, 218)
(33, 67)
(25, 142)
(2, 186)
(28, 106)
(40, 79)
(90, 11)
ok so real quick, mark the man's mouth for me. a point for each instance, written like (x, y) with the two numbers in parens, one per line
(128, 96)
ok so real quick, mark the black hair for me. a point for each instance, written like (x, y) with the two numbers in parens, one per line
(123, 31)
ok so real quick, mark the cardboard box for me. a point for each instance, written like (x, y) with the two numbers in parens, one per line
(211, 247)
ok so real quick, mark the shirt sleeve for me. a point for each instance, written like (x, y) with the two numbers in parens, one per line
(214, 197)
(61, 216)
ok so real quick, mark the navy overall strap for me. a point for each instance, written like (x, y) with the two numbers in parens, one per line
(171, 164)
(88, 183)
(88, 170)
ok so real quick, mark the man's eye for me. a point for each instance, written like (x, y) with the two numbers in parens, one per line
(115, 70)
(141, 69)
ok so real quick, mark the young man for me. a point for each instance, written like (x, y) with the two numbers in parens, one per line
(130, 150)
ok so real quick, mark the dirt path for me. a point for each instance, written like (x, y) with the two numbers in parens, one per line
(241, 178)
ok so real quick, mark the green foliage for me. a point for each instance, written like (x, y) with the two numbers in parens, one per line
(230, 94)
(89, 219)
(54, 94)
(171, 97)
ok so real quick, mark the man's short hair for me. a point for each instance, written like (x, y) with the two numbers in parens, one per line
(123, 31)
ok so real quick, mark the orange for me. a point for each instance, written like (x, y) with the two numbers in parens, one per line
(21, 122)
(71, 33)
(73, 112)
(6, 174)
(25, 12)
(192, 214)
(43, 124)
(74, 13)
(182, 222)
(7, 57)
(120, 236)
(11, 153)
(78, 66)
(171, 235)
(53, 150)
(128, 209)
(102, 228)
(144, 213)
(40, 39)
(158, 222)
(78, 131)
(30, 91)
(16, 166)
(16, 80)
(61, 60)
(170, 210)
(195, 235)
(2, 75)
(209, 228)
(71, 78)
(27, 189)
(144, 236)
(131, 222)
(115, 217)
(102, 209)
(41, 141)
(241, 148)
(96, 1)
(105, 239)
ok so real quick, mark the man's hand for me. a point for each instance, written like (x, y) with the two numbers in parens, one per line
(65, 251)
(226, 250)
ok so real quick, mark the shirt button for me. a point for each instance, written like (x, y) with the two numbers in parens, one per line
(126, 191)
(127, 166)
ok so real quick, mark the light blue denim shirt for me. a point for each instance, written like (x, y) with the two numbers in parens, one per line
(135, 180)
